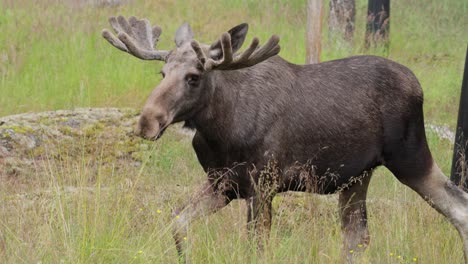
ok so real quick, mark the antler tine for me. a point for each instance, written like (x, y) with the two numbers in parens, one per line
(136, 37)
(113, 40)
(198, 50)
(270, 48)
(254, 55)
(227, 54)
(227, 48)
(156, 33)
(251, 56)
(253, 46)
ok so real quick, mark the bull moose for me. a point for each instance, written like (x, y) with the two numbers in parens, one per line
(264, 126)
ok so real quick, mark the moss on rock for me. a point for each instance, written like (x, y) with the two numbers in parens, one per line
(94, 135)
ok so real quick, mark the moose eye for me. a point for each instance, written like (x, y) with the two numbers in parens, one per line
(193, 79)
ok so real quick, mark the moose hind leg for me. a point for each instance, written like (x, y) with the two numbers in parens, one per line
(445, 197)
(407, 156)
(353, 212)
(204, 202)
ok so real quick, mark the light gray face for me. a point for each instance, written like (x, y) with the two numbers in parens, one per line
(180, 93)
(183, 90)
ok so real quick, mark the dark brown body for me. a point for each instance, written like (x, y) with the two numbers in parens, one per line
(324, 128)
(342, 117)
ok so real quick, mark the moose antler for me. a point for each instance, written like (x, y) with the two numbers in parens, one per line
(136, 37)
(251, 56)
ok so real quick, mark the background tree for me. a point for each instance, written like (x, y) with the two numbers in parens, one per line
(460, 149)
(378, 23)
(341, 18)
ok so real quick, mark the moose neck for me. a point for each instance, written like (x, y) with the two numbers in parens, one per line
(217, 115)
(232, 109)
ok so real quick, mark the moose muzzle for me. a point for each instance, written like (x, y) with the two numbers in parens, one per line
(151, 126)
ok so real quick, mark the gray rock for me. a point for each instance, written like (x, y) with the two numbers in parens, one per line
(107, 133)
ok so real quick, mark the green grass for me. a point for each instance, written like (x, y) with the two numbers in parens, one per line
(87, 210)
(84, 210)
(53, 57)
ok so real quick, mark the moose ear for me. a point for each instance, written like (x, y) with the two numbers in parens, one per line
(183, 34)
(238, 34)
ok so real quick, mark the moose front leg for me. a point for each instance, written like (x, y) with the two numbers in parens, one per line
(204, 202)
(259, 211)
(353, 212)
(259, 218)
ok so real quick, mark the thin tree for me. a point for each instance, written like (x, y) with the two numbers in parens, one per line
(378, 23)
(341, 19)
(314, 31)
(460, 148)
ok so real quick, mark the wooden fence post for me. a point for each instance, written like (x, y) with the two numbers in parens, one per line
(314, 31)
(459, 173)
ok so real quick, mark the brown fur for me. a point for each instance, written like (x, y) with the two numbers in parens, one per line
(277, 126)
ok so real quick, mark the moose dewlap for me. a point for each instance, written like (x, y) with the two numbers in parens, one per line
(264, 126)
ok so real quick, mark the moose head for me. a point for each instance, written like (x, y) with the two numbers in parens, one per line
(187, 83)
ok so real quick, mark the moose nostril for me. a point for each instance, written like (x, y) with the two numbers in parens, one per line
(161, 119)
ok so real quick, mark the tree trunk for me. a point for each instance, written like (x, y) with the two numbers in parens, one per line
(314, 31)
(378, 23)
(341, 18)
(460, 148)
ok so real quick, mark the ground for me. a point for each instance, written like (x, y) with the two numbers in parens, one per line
(78, 186)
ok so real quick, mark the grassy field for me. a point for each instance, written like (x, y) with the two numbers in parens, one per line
(53, 57)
